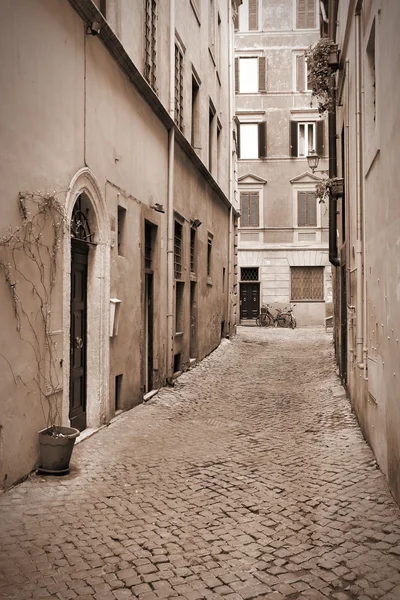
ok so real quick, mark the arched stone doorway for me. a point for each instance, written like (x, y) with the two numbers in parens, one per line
(86, 293)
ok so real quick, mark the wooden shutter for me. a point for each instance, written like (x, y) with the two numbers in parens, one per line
(300, 72)
(261, 74)
(236, 20)
(301, 8)
(293, 138)
(244, 209)
(320, 137)
(253, 15)
(306, 209)
(238, 140)
(254, 209)
(262, 139)
(310, 14)
(236, 75)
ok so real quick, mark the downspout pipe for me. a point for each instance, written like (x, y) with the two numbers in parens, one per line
(333, 250)
(359, 173)
(229, 315)
(170, 197)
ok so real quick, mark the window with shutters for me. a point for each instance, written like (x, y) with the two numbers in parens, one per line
(211, 28)
(249, 209)
(306, 209)
(178, 87)
(150, 37)
(247, 18)
(301, 73)
(306, 136)
(178, 250)
(250, 74)
(307, 284)
(195, 116)
(306, 14)
(252, 140)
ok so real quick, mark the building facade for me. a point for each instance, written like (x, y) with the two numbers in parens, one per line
(117, 243)
(283, 229)
(366, 279)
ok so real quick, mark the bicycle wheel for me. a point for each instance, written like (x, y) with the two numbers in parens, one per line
(293, 322)
(258, 321)
(283, 320)
(267, 320)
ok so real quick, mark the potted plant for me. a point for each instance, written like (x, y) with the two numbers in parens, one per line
(28, 262)
(329, 187)
(322, 61)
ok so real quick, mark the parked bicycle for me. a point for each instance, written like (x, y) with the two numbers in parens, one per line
(284, 317)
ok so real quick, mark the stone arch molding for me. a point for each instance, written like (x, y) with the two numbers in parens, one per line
(98, 407)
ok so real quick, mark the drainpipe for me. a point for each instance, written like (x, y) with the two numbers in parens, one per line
(170, 197)
(333, 251)
(359, 178)
(230, 155)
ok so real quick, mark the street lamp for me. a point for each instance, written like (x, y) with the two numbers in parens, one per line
(313, 161)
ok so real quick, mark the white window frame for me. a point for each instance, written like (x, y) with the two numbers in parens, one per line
(297, 53)
(295, 17)
(314, 144)
(250, 119)
(305, 187)
(253, 187)
(252, 54)
(244, 10)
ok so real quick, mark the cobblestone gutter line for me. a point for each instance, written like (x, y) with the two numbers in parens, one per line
(248, 479)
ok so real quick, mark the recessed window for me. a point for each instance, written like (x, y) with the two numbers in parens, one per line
(306, 136)
(211, 27)
(179, 314)
(250, 75)
(306, 209)
(305, 14)
(179, 87)
(195, 126)
(211, 115)
(307, 283)
(247, 16)
(370, 78)
(252, 140)
(249, 209)
(192, 250)
(121, 230)
(209, 255)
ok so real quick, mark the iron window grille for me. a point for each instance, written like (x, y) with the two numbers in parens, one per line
(209, 252)
(178, 87)
(148, 250)
(178, 250)
(192, 250)
(249, 274)
(307, 283)
(150, 41)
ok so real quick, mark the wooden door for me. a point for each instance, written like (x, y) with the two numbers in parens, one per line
(77, 397)
(249, 300)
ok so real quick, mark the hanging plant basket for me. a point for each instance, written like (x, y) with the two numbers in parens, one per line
(337, 188)
(322, 61)
(333, 60)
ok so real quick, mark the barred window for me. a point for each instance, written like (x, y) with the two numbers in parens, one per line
(178, 250)
(147, 247)
(150, 37)
(249, 209)
(249, 274)
(192, 250)
(178, 87)
(209, 253)
(306, 209)
(307, 283)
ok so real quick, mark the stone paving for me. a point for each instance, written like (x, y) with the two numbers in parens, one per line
(248, 479)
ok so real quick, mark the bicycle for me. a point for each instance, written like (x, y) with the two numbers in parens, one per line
(283, 318)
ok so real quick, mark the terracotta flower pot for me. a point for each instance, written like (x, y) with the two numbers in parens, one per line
(56, 445)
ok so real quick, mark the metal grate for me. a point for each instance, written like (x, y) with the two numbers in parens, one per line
(307, 283)
(150, 41)
(178, 87)
(178, 250)
(249, 274)
(209, 251)
(147, 247)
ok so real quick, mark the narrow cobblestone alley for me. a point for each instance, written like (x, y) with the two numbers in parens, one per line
(248, 479)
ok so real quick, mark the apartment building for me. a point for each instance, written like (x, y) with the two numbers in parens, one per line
(117, 243)
(283, 229)
(367, 258)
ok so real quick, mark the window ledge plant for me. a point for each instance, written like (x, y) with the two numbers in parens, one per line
(322, 61)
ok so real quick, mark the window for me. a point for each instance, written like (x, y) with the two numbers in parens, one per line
(195, 125)
(121, 231)
(306, 209)
(211, 28)
(249, 209)
(247, 16)
(150, 41)
(249, 274)
(178, 87)
(219, 44)
(305, 14)
(148, 247)
(301, 73)
(211, 115)
(250, 76)
(209, 254)
(307, 283)
(252, 140)
(219, 146)
(179, 314)
(192, 250)
(306, 136)
(370, 78)
(178, 250)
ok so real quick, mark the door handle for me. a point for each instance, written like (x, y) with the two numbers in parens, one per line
(78, 343)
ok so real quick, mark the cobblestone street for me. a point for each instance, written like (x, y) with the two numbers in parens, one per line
(249, 479)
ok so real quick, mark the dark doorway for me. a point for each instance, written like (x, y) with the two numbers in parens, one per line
(249, 300)
(77, 398)
(193, 320)
(149, 330)
(343, 325)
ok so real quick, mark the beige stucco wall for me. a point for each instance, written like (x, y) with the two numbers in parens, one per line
(70, 115)
(375, 398)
